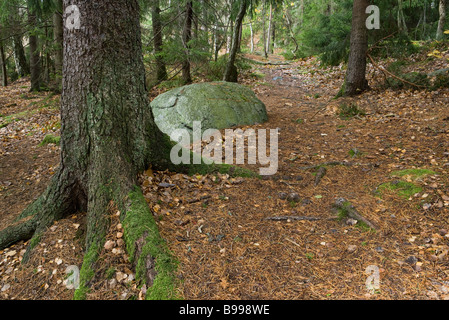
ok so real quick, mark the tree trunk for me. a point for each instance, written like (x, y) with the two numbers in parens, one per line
(58, 36)
(3, 64)
(186, 37)
(442, 20)
(35, 63)
(231, 74)
(270, 26)
(264, 29)
(20, 61)
(161, 70)
(355, 76)
(402, 26)
(252, 36)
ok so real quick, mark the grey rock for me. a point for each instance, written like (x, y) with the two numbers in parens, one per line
(217, 105)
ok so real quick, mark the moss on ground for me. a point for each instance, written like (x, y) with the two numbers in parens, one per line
(403, 188)
(414, 174)
(50, 139)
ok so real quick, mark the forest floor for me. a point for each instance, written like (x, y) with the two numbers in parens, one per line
(391, 162)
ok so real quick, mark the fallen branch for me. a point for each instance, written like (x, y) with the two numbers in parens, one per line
(385, 71)
(320, 174)
(350, 211)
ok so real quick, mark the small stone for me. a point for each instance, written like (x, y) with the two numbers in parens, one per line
(352, 248)
(379, 249)
(109, 245)
(120, 242)
(119, 235)
(116, 251)
(120, 276)
(351, 222)
(293, 197)
(119, 226)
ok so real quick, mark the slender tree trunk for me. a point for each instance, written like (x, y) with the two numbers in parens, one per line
(402, 26)
(264, 29)
(58, 36)
(442, 20)
(270, 26)
(231, 74)
(252, 37)
(356, 73)
(3, 64)
(20, 61)
(161, 69)
(35, 63)
(186, 37)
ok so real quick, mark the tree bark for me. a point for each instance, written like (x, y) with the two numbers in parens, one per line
(264, 29)
(161, 70)
(20, 61)
(186, 37)
(442, 20)
(270, 26)
(58, 36)
(3, 64)
(231, 74)
(355, 82)
(35, 63)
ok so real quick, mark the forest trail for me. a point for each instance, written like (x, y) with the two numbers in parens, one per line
(223, 230)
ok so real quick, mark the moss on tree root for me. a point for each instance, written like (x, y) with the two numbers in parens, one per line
(153, 253)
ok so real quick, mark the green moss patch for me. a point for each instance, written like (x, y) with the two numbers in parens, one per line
(50, 139)
(414, 174)
(403, 188)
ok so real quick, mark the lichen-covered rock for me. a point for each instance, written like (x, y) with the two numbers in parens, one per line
(217, 105)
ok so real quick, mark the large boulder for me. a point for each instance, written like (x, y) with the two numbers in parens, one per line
(217, 105)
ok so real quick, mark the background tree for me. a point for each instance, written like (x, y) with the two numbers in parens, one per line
(355, 81)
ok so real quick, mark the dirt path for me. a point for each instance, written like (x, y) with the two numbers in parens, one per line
(220, 229)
